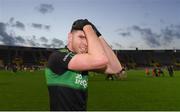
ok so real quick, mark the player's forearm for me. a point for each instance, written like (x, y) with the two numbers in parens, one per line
(113, 65)
(94, 45)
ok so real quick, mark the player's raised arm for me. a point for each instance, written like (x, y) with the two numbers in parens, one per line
(113, 65)
(95, 57)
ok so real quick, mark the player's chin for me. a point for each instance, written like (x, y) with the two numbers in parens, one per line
(82, 51)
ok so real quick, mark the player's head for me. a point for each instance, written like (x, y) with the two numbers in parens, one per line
(77, 41)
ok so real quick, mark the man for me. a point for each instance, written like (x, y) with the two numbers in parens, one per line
(170, 70)
(122, 74)
(14, 68)
(160, 71)
(147, 71)
(109, 77)
(154, 72)
(67, 69)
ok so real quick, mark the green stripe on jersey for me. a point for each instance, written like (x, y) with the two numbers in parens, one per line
(69, 78)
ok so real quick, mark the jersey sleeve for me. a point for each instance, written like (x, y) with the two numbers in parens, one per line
(58, 61)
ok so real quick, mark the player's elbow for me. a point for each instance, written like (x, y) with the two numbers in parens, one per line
(116, 70)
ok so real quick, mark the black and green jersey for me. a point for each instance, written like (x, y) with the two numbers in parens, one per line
(67, 88)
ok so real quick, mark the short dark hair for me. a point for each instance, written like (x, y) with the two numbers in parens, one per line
(75, 25)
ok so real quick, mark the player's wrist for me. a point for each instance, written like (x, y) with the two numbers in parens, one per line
(96, 31)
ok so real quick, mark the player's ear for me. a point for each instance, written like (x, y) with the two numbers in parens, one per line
(69, 37)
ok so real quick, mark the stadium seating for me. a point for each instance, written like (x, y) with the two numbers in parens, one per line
(24, 55)
(130, 58)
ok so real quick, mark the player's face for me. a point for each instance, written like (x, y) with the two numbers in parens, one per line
(79, 42)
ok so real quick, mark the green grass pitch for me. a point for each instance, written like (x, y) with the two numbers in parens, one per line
(28, 91)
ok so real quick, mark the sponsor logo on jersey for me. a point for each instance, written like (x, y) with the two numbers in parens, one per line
(81, 81)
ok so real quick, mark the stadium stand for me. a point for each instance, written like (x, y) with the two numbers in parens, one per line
(31, 56)
(149, 58)
(24, 56)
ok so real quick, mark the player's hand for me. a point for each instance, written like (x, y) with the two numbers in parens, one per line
(80, 23)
